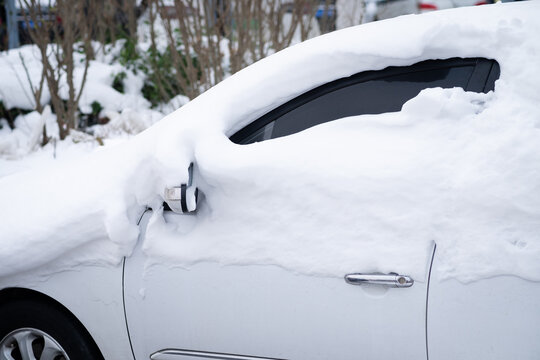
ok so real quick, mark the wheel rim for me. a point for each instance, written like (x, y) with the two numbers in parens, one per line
(30, 344)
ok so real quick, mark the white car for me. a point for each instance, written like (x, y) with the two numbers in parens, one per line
(405, 229)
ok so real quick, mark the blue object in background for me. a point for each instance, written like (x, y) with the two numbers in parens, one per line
(30, 25)
(12, 27)
(326, 12)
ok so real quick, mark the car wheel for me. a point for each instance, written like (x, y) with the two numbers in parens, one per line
(35, 330)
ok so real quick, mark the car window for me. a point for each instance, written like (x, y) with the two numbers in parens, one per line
(372, 92)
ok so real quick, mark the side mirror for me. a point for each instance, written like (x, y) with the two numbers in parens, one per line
(183, 199)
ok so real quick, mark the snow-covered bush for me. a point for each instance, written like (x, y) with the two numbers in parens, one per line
(209, 40)
(93, 62)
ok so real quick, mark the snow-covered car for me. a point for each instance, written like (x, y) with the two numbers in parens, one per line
(371, 193)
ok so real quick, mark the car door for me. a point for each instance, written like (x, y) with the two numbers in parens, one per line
(490, 318)
(209, 311)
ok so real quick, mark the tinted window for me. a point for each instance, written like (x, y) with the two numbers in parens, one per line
(373, 92)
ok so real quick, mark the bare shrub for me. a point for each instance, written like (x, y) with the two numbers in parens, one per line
(117, 19)
(200, 33)
(59, 38)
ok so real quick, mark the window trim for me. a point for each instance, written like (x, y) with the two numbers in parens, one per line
(473, 81)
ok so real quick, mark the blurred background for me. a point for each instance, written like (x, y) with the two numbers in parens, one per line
(94, 69)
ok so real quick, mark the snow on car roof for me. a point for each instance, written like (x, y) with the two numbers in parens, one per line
(368, 193)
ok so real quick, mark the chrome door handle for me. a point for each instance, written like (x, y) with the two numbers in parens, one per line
(392, 280)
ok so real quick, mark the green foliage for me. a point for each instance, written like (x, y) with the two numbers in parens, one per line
(118, 81)
(161, 75)
(162, 82)
(129, 56)
(86, 120)
(151, 93)
(96, 108)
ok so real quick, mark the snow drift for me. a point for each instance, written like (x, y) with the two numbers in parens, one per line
(369, 193)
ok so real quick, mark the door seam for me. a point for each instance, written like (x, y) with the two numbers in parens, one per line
(427, 298)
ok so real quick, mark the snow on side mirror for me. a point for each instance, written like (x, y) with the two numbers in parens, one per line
(183, 199)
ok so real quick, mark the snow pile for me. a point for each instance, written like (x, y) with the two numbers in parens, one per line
(368, 193)
(16, 91)
(26, 136)
(16, 67)
(99, 88)
(371, 194)
(128, 111)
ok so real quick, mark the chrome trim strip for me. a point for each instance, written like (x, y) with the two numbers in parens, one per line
(177, 354)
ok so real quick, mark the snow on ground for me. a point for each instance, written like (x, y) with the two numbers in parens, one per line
(16, 89)
(16, 86)
(129, 112)
(370, 193)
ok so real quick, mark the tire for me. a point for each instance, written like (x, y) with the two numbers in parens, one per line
(49, 333)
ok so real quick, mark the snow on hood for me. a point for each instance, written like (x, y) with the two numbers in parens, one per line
(368, 193)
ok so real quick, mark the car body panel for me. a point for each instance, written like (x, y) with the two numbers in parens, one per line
(270, 312)
(494, 318)
(233, 310)
(93, 294)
